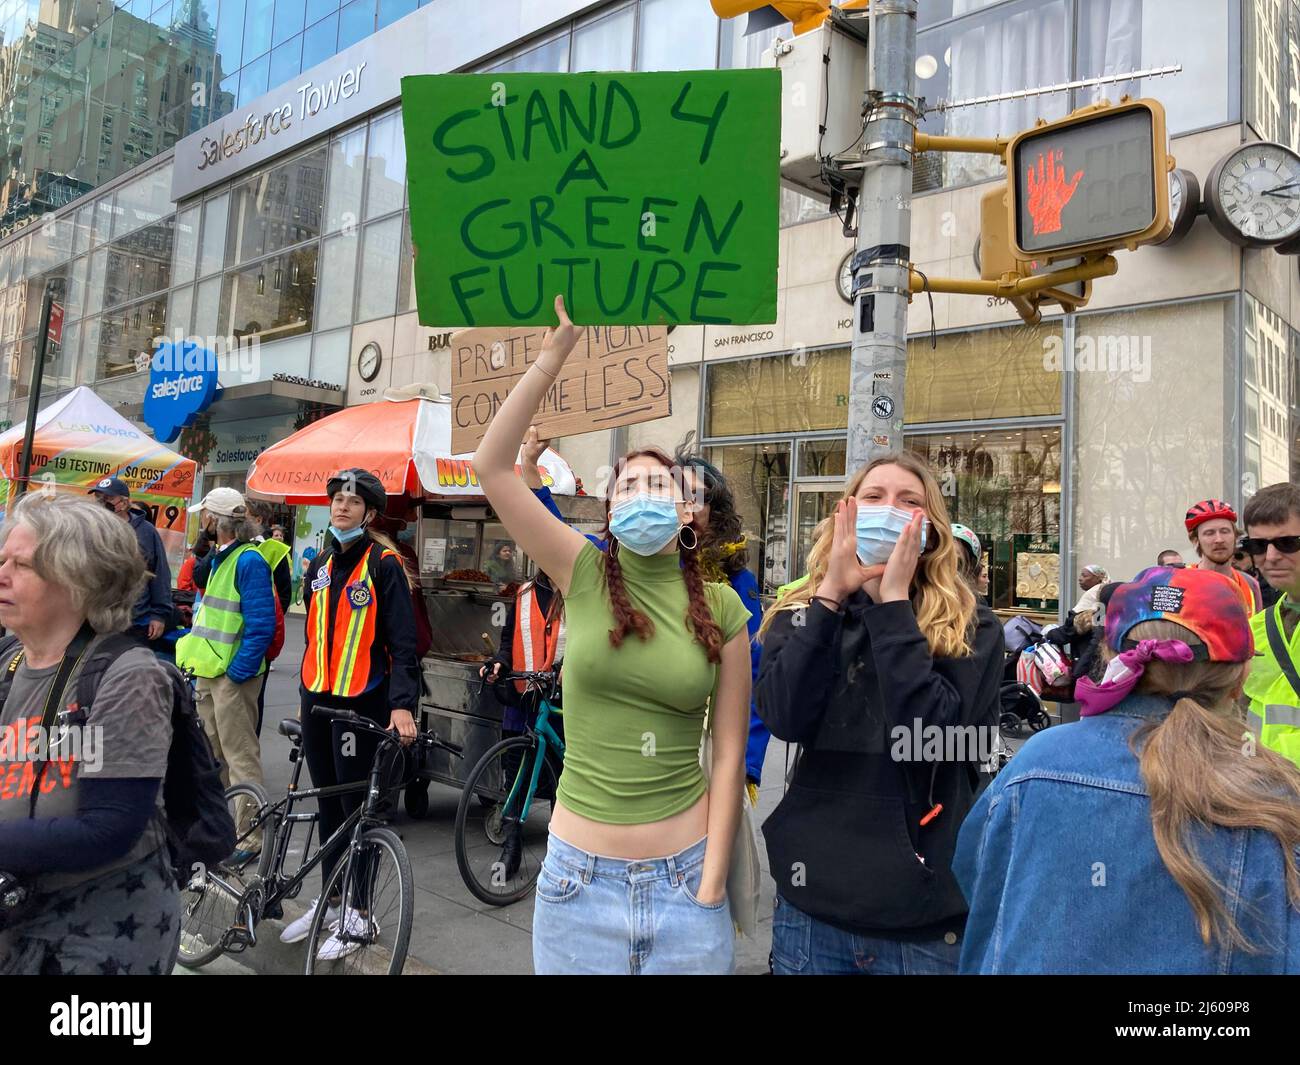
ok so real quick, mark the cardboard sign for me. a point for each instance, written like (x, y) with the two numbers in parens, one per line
(617, 375)
(642, 198)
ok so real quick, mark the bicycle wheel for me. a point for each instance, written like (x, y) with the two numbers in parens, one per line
(498, 857)
(380, 898)
(210, 901)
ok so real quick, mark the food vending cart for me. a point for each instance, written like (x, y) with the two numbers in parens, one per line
(456, 540)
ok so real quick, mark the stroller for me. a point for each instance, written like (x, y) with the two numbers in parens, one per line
(1024, 686)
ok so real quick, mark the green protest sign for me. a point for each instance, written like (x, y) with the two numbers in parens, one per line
(643, 198)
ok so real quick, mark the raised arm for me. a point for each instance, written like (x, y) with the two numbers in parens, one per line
(551, 544)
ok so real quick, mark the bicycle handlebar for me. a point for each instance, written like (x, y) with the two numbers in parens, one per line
(385, 735)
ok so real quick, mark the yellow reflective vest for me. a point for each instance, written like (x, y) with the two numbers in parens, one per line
(1274, 712)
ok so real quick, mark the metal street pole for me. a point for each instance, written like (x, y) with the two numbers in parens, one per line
(880, 264)
(34, 389)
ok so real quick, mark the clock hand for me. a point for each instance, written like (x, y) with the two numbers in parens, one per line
(1280, 190)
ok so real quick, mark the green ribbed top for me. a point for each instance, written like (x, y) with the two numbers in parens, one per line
(633, 715)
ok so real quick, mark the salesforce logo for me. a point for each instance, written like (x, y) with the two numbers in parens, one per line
(182, 382)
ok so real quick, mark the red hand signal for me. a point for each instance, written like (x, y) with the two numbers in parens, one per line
(1049, 192)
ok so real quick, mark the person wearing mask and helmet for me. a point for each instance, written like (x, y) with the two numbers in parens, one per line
(360, 656)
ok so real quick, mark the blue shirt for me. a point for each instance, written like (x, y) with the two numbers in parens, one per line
(1058, 861)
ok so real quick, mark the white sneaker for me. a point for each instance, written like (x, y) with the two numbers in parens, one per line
(297, 931)
(335, 948)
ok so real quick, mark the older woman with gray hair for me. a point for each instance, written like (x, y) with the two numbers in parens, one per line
(81, 827)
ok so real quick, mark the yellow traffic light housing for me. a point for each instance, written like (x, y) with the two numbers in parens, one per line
(804, 14)
(1095, 180)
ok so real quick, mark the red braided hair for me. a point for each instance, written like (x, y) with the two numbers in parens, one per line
(627, 618)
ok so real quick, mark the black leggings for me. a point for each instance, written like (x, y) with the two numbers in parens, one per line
(323, 741)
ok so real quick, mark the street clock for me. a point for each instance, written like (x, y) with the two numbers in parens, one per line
(1253, 194)
(1184, 204)
(844, 278)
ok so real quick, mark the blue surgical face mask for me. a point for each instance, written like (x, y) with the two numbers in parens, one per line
(347, 536)
(644, 524)
(879, 528)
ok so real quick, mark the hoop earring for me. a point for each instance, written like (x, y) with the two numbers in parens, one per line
(695, 539)
(612, 551)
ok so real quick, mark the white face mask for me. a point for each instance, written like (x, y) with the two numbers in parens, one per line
(879, 528)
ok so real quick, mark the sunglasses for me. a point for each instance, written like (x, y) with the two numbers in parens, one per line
(1257, 545)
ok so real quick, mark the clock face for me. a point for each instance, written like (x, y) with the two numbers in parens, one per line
(368, 361)
(844, 281)
(1254, 194)
(1184, 204)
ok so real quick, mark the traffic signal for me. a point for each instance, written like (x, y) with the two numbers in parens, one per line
(1097, 179)
(804, 14)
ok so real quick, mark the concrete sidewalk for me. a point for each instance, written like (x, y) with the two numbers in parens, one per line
(454, 932)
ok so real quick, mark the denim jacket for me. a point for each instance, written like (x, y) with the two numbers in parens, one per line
(1059, 864)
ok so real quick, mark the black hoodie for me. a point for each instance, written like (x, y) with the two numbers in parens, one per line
(846, 845)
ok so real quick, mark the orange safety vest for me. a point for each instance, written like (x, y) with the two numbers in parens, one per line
(341, 667)
(537, 634)
(1246, 588)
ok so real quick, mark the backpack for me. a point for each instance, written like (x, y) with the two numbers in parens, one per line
(276, 645)
(196, 819)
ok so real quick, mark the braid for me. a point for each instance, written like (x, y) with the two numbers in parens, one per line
(698, 615)
(626, 616)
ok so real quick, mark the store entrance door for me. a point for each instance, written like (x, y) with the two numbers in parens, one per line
(812, 503)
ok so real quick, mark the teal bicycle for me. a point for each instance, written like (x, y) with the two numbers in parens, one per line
(505, 808)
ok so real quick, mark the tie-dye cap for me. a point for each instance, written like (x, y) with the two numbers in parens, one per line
(1203, 601)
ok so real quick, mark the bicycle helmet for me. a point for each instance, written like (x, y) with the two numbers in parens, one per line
(1209, 510)
(358, 482)
(968, 537)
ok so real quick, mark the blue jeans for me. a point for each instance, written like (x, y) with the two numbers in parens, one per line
(805, 946)
(613, 916)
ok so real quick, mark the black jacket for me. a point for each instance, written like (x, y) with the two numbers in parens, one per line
(393, 651)
(845, 844)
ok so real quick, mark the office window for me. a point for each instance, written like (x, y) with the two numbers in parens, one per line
(549, 56)
(391, 10)
(318, 9)
(277, 208)
(258, 21)
(318, 41)
(999, 49)
(605, 43)
(253, 80)
(288, 20)
(286, 62)
(139, 263)
(272, 299)
(380, 256)
(212, 251)
(677, 35)
(1116, 37)
(230, 36)
(385, 166)
(347, 159)
(356, 22)
(338, 275)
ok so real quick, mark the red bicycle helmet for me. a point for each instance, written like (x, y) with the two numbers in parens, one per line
(1209, 510)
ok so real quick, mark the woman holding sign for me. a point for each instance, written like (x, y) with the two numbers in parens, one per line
(635, 874)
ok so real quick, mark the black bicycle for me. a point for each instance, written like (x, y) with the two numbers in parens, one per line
(505, 807)
(221, 907)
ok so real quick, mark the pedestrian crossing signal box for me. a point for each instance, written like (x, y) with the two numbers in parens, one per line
(1093, 181)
